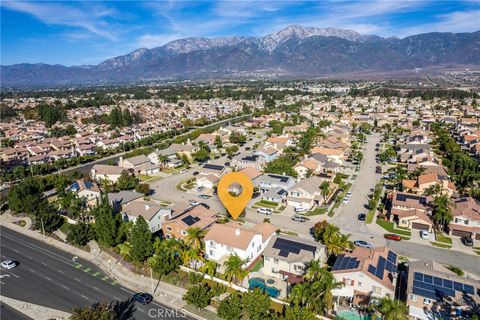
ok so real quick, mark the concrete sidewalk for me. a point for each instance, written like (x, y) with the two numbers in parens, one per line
(165, 293)
(35, 311)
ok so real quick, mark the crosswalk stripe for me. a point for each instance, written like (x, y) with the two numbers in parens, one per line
(105, 278)
(96, 274)
(78, 266)
(87, 270)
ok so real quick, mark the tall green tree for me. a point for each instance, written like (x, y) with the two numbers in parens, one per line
(392, 309)
(141, 240)
(194, 237)
(199, 295)
(441, 211)
(325, 189)
(98, 311)
(106, 223)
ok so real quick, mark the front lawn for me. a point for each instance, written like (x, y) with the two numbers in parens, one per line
(390, 227)
(65, 228)
(266, 204)
(315, 212)
(443, 238)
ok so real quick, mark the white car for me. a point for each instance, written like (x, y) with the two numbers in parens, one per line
(266, 211)
(300, 209)
(9, 264)
(183, 171)
(193, 203)
(423, 234)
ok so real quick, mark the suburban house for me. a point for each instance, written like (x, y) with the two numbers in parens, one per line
(224, 240)
(243, 161)
(335, 155)
(170, 155)
(267, 154)
(210, 174)
(425, 181)
(287, 257)
(87, 190)
(101, 172)
(434, 291)
(306, 193)
(140, 164)
(268, 181)
(251, 172)
(119, 199)
(410, 211)
(198, 217)
(306, 166)
(153, 213)
(466, 218)
(275, 194)
(366, 273)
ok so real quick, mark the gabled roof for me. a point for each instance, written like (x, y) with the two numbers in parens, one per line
(235, 235)
(292, 249)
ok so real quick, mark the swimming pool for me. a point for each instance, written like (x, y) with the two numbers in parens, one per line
(352, 315)
(260, 283)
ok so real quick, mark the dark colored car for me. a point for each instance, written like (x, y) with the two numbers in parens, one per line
(206, 206)
(362, 216)
(299, 218)
(467, 241)
(143, 298)
(195, 173)
(394, 237)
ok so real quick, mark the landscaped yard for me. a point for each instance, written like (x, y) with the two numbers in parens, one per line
(266, 204)
(443, 238)
(257, 266)
(441, 245)
(65, 228)
(315, 212)
(390, 227)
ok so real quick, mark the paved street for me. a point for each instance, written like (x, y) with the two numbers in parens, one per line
(49, 277)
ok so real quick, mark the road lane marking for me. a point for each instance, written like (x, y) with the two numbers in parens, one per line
(12, 274)
(15, 250)
(59, 271)
(29, 257)
(65, 287)
(44, 264)
(95, 288)
(49, 279)
(117, 298)
(84, 297)
(78, 266)
(77, 279)
(141, 310)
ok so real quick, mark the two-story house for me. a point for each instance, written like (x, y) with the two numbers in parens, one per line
(224, 240)
(197, 217)
(306, 193)
(268, 181)
(466, 218)
(366, 274)
(410, 211)
(154, 214)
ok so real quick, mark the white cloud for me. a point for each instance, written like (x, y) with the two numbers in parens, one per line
(459, 21)
(156, 40)
(57, 14)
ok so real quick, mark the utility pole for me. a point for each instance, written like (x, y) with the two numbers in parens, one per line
(151, 280)
(43, 230)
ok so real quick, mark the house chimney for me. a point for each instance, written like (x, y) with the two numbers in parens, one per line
(237, 232)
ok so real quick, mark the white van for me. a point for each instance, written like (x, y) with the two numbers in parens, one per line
(266, 211)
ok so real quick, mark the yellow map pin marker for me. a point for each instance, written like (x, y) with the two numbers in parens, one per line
(235, 204)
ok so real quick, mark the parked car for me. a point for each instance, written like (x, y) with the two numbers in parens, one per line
(195, 173)
(204, 196)
(362, 216)
(301, 209)
(349, 194)
(299, 218)
(201, 188)
(266, 211)
(143, 297)
(8, 264)
(193, 203)
(394, 237)
(206, 206)
(183, 171)
(423, 234)
(467, 241)
(363, 244)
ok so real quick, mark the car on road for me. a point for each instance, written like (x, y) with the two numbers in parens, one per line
(200, 189)
(349, 194)
(423, 234)
(299, 218)
(362, 216)
(345, 200)
(363, 244)
(394, 237)
(467, 241)
(8, 264)
(206, 206)
(183, 171)
(266, 211)
(301, 209)
(204, 196)
(195, 173)
(143, 297)
(193, 203)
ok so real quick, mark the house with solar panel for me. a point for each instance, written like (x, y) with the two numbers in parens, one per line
(87, 190)
(210, 174)
(366, 274)
(268, 181)
(433, 291)
(410, 211)
(197, 217)
(287, 257)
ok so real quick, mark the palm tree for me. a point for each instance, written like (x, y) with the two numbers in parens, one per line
(125, 249)
(162, 159)
(194, 237)
(189, 255)
(335, 242)
(234, 269)
(441, 210)
(392, 309)
(321, 296)
(210, 268)
(300, 293)
(313, 271)
(325, 189)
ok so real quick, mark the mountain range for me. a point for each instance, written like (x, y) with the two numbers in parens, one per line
(295, 51)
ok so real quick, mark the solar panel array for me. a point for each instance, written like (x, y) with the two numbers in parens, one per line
(287, 246)
(404, 197)
(345, 263)
(389, 264)
(213, 167)
(190, 220)
(281, 178)
(435, 287)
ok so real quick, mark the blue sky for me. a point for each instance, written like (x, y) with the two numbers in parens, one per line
(88, 32)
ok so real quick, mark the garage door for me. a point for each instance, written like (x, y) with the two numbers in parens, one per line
(420, 226)
(477, 236)
(459, 233)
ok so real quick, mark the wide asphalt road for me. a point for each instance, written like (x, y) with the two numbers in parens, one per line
(49, 277)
